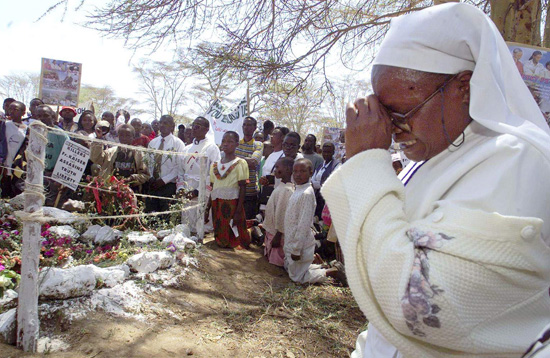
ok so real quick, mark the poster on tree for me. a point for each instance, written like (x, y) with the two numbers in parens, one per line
(533, 63)
(60, 82)
(336, 136)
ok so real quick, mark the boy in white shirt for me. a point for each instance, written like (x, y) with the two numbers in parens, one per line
(299, 244)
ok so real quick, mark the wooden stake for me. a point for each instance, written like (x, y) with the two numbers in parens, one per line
(27, 311)
(58, 197)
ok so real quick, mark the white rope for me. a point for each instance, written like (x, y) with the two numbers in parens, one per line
(100, 189)
(38, 216)
(37, 189)
(106, 142)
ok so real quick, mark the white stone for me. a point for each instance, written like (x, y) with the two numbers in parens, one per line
(58, 283)
(179, 241)
(61, 216)
(110, 276)
(65, 230)
(118, 233)
(9, 295)
(8, 326)
(74, 205)
(47, 345)
(18, 202)
(141, 238)
(90, 233)
(163, 233)
(147, 262)
(183, 229)
(105, 235)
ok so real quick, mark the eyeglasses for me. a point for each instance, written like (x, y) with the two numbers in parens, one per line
(401, 120)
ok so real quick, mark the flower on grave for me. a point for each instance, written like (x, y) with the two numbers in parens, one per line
(171, 247)
(2, 267)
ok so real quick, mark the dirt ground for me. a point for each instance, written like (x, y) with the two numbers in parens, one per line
(234, 305)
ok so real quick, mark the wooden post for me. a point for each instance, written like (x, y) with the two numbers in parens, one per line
(28, 324)
(202, 196)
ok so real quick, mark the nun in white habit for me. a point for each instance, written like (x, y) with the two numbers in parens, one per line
(452, 258)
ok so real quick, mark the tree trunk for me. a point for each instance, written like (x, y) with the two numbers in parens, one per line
(518, 20)
(546, 39)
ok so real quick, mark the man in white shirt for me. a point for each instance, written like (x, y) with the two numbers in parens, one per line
(189, 182)
(164, 168)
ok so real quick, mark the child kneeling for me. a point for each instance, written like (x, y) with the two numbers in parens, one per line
(275, 212)
(299, 245)
(228, 178)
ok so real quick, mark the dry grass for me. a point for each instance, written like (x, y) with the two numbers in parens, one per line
(309, 321)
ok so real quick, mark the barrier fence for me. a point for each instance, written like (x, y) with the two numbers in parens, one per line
(33, 217)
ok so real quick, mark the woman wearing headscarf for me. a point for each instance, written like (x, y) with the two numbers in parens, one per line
(452, 259)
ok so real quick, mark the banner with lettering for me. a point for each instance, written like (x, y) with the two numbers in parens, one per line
(222, 120)
(533, 64)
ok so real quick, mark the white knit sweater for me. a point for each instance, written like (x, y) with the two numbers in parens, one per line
(442, 274)
(276, 208)
(299, 220)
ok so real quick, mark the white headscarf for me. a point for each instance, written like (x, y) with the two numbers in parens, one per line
(454, 37)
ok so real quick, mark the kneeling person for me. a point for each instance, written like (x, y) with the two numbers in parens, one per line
(119, 161)
(299, 244)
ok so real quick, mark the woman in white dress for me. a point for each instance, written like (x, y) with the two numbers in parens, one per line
(452, 259)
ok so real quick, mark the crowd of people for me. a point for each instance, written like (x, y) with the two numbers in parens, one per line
(449, 258)
(259, 187)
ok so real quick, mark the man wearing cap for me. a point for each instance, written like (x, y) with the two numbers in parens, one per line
(68, 114)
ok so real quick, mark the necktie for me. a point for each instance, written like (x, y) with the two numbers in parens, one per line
(158, 160)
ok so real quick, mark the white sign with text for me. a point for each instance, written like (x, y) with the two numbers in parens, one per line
(223, 120)
(71, 164)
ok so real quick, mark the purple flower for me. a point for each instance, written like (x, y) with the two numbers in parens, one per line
(49, 253)
(15, 232)
(171, 247)
(89, 251)
(2, 267)
(45, 233)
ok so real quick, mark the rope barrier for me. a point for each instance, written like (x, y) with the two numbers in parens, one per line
(38, 216)
(35, 189)
(106, 142)
(84, 185)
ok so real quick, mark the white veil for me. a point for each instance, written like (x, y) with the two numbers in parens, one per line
(453, 37)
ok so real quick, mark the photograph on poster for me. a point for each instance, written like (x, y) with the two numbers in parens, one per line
(60, 82)
(533, 63)
(336, 136)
